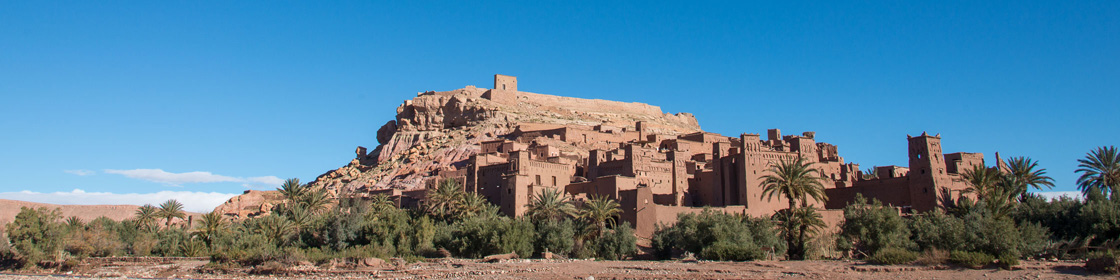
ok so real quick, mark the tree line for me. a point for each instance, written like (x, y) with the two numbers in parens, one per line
(1005, 223)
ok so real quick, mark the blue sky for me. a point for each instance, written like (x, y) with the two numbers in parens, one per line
(130, 97)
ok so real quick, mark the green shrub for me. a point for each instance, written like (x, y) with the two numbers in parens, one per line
(970, 259)
(554, 236)
(36, 234)
(617, 243)
(726, 251)
(976, 231)
(1034, 239)
(869, 227)
(892, 255)
(933, 257)
(487, 235)
(1102, 262)
(694, 233)
(1008, 260)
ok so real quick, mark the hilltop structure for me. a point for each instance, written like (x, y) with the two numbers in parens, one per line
(508, 145)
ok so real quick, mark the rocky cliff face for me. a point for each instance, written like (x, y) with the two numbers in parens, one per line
(437, 132)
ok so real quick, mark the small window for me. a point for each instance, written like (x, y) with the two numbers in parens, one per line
(553, 180)
(538, 179)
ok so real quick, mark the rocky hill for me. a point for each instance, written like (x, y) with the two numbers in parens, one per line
(435, 134)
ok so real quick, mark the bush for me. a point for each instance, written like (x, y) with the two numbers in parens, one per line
(1102, 262)
(892, 255)
(487, 235)
(1008, 260)
(933, 257)
(36, 235)
(970, 259)
(869, 227)
(616, 244)
(694, 233)
(1034, 239)
(554, 236)
(976, 231)
(726, 251)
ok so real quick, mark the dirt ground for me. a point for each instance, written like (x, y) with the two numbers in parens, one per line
(567, 269)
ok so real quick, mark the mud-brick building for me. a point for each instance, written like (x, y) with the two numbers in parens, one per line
(657, 176)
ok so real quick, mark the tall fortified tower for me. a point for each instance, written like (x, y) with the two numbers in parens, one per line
(927, 171)
(504, 91)
(503, 82)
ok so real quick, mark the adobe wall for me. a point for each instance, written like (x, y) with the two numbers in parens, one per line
(504, 82)
(958, 163)
(647, 215)
(608, 186)
(891, 191)
(488, 181)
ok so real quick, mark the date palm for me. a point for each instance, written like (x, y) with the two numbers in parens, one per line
(1024, 174)
(381, 202)
(146, 216)
(443, 200)
(550, 204)
(870, 174)
(798, 225)
(274, 227)
(794, 179)
(600, 211)
(211, 225)
(983, 181)
(1100, 172)
(169, 210)
(315, 200)
(73, 222)
(292, 190)
(471, 205)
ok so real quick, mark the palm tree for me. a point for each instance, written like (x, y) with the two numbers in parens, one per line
(441, 201)
(983, 181)
(799, 223)
(1024, 174)
(1100, 172)
(869, 174)
(550, 204)
(73, 222)
(146, 216)
(275, 227)
(211, 225)
(169, 210)
(600, 211)
(794, 179)
(300, 216)
(315, 200)
(471, 205)
(292, 189)
(381, 202)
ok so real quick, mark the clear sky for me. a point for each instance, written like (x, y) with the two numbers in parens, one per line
(204, 99)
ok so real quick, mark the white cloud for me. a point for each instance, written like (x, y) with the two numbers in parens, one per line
(80, 172)
(1053, 195)
(176, 179)
(192, 201)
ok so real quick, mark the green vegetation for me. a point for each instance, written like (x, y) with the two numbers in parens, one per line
(893, 255)
(309, 226)
(1004, 223)
(715, 235)
(796, 180)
